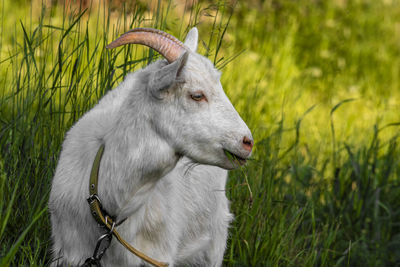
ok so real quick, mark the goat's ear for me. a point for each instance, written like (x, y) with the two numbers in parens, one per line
(162, 79)
(192, 38)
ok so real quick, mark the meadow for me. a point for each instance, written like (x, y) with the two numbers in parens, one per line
(317, 82)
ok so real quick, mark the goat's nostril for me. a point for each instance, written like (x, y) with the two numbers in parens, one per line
(247, 143)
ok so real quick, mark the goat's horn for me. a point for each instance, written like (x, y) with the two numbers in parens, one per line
(164, 43)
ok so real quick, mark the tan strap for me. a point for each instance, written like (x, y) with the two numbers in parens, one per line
(97, 211)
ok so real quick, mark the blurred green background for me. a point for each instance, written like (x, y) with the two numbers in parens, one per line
(318, 83)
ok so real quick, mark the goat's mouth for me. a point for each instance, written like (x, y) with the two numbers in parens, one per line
(234, 158)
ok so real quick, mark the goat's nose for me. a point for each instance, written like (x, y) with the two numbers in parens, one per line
(247, 143)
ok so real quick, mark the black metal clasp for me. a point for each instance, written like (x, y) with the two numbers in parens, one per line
(102, 245)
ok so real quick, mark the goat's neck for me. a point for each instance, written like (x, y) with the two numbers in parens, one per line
(136, 158)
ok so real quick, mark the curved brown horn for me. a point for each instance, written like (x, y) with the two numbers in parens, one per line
(164, 43)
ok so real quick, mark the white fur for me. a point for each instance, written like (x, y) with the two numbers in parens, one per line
(156, 170)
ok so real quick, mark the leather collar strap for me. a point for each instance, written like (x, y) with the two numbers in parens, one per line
(103, 218)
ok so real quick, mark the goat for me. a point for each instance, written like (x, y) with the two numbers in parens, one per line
(170, 134)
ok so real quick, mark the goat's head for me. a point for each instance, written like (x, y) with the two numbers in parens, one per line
(191, 110)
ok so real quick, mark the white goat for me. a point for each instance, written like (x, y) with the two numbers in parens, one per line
(155, 125)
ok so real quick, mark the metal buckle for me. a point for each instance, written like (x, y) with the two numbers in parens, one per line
(92, 198)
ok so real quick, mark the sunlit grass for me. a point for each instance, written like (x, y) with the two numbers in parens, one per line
(316, 81)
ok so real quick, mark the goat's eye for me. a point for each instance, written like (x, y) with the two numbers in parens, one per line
(198, 96)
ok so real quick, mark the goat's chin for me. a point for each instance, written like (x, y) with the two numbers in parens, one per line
(224, 165)
(220, 159)
(227, 163)
(231, 164)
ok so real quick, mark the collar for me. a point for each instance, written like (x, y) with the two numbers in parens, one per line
(103, 218)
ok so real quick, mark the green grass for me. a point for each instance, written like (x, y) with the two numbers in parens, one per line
(318, 82)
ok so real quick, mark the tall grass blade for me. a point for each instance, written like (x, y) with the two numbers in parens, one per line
(13, 250)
